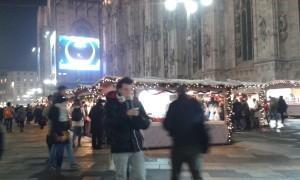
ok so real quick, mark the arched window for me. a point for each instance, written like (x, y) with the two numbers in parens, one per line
(243, 30)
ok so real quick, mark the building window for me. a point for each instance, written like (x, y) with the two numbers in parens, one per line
(243, 30)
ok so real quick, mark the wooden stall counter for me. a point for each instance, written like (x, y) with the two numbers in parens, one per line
(156, 137)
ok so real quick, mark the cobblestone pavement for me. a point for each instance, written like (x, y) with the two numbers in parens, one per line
(269, 153)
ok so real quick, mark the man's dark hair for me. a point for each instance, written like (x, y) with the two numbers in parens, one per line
(125, 80)
(50, 97)
(181, 90)
(61, 88)
(8, 104)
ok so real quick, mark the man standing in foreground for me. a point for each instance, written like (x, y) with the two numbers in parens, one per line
(185, 123)
(124, 119)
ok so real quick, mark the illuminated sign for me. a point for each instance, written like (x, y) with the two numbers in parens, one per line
(78, 53)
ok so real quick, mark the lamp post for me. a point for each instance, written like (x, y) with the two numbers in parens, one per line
(191, 6)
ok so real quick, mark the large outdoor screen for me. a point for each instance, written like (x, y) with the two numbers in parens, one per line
(78, 53)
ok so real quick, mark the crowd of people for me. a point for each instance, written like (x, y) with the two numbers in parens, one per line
(246, 118)
(117, 121)
(120, 118)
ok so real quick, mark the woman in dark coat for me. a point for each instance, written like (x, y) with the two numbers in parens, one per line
(97, 129)
(282, 108)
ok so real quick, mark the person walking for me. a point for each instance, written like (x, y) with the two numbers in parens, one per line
(46, 110)
(237, 114)
(273, 108)
(282, 109)
(29, 111)
(21, 117)
(1, 141)
(38, 116)
(1, 115)
(125, 117)
(59, 132)
(246, 114)
(8, 114)
(185, 124)
(266, 110)
(97, 129)
(77, 122)
(87, 120)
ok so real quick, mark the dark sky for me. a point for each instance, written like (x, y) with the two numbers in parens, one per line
(17, 37)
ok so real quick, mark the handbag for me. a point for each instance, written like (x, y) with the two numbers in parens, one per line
(62, 138)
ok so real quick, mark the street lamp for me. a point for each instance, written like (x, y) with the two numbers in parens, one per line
(206, 2)
(170, 5)
(33, 49)
(191, 6)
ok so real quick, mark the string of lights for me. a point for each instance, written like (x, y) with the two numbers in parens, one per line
(95, 91)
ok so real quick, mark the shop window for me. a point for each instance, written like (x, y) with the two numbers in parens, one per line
(243, 30)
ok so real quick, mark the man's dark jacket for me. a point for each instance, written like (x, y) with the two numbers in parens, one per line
(124, 131)
(97, 116)
(185, 123)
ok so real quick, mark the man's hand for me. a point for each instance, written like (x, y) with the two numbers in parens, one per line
(133, 112)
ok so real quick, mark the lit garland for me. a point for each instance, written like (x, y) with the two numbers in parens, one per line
(263, 120)
(229, 114)
(190, 85)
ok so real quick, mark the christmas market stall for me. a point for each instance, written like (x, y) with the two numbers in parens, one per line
(289, 89)
(157, 94)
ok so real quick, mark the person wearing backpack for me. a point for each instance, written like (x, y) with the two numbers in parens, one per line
(21, 116)
(77, 122)
(8, 114)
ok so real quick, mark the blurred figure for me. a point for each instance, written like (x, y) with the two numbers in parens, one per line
(124, 118)
(59, 132)
(246, 113)
(237, 113)
(8, 114)
(273, 108)
(282, 109)
(77, 122)
(46, 116)
(1, 141)
(97, 129)
(38, 116)
(185, 124)
(1, 115)
(266, 110)
(87, 121)
(21, 117)
(255, 113)
(29, 111)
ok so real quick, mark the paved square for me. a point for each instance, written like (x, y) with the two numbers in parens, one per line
(264, 154)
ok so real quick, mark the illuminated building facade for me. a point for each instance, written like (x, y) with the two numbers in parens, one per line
(69, 42)
(248, 40)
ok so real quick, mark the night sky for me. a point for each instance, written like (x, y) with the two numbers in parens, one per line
(17, 37)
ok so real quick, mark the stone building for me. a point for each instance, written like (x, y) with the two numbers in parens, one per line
(249, 40)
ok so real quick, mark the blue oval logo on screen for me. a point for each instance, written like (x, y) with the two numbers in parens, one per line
(78, 53)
